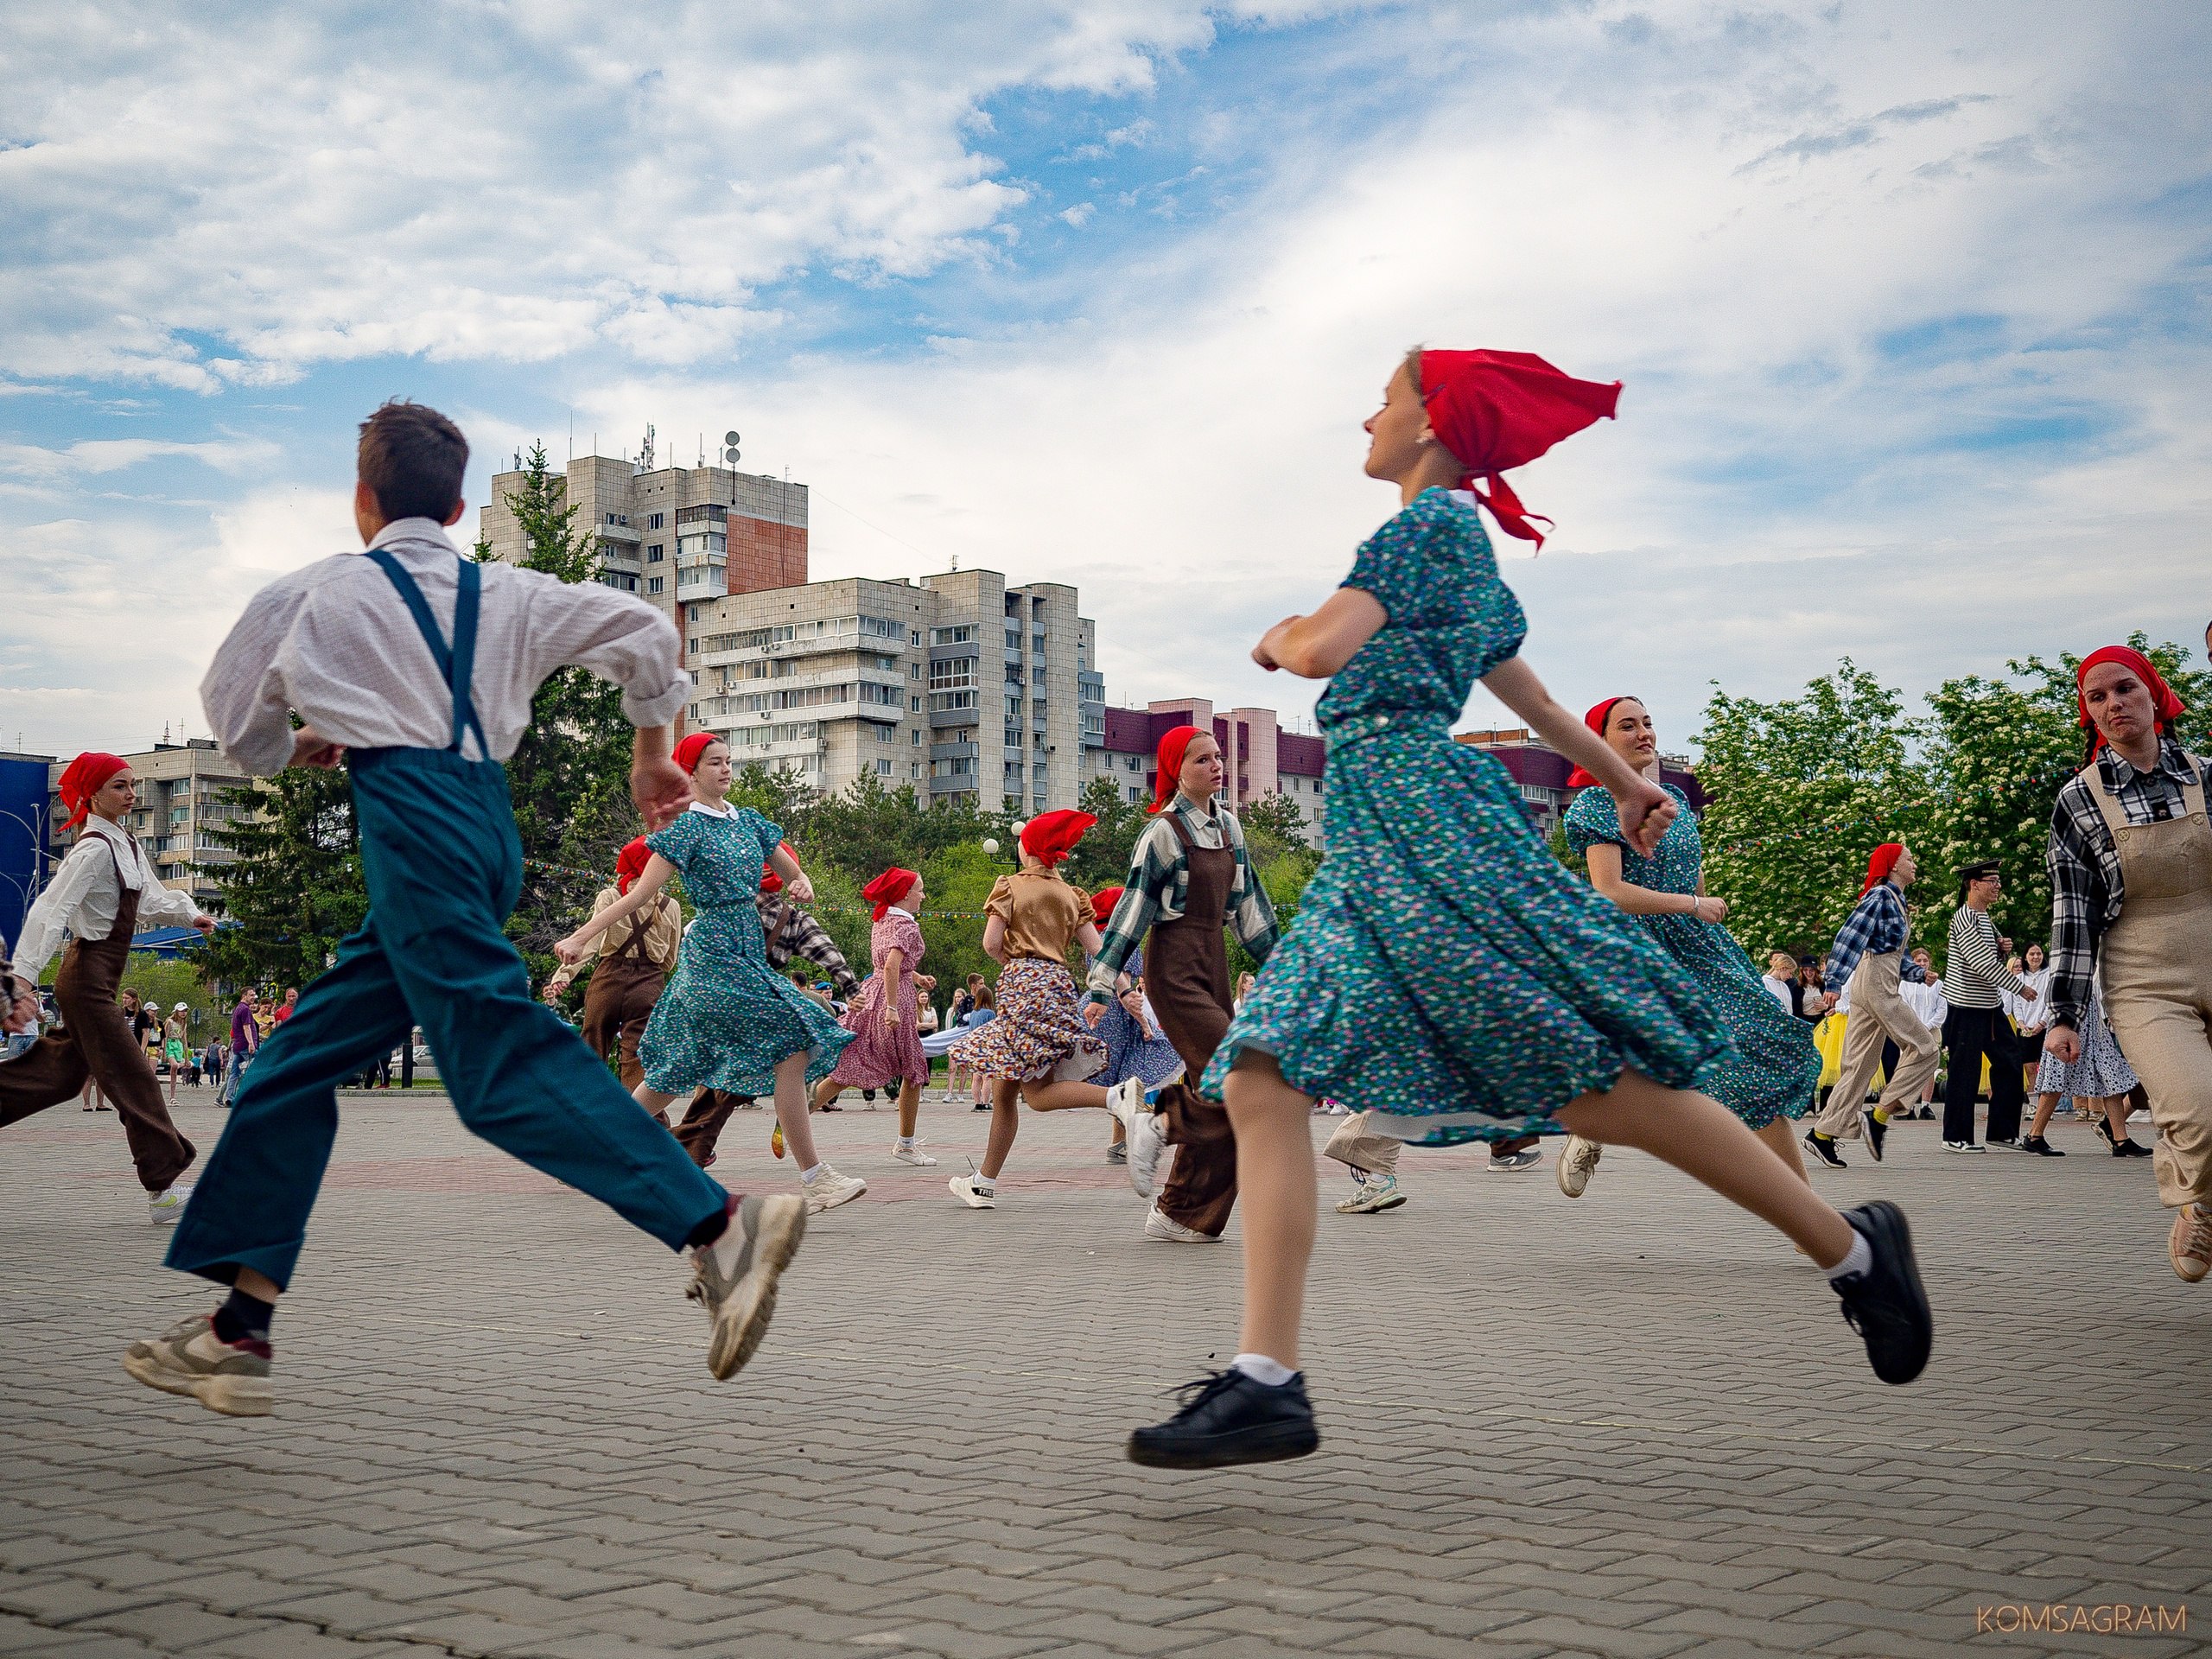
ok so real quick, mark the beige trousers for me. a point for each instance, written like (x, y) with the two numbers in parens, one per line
(1377, 1155)
(2158, 981)
(1877, 1011)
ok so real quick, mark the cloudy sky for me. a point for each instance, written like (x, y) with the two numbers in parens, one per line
(1910, 302)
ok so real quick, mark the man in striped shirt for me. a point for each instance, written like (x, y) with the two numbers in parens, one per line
(1976, 980)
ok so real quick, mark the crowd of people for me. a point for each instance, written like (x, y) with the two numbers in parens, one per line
(1446, 980)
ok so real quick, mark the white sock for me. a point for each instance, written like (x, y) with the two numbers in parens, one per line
(808, 1174)
(983, 1183)
(1261, 1368)
(907, 1141)
(1860, 1258)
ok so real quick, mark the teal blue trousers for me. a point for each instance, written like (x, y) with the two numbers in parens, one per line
(443, 868)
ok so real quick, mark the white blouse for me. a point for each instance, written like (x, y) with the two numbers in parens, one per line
(2031, 1016)
(82, 898)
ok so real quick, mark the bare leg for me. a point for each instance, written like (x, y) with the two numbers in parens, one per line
(824, 1092)
(1044, 1097)
(655, 1102)
(2114, 1108)
(1275, 1182)
(791, 1109)
(254, 1285)
(909, 1107)
(2045, 1105)
(1709, 1143)
(1119, 1135)
(1006, 1123)
(1781, 1136)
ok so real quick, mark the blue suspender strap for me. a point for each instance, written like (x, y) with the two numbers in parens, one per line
(456, 665)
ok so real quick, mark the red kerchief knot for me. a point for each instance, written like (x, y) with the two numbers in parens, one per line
(81, 780)
(888, 889)
(630, 864)
(2164, 703)
(1497, 410)
(1594, 718)
(1051, 836)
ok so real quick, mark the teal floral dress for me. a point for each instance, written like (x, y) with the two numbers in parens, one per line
(727, 1017)
(1445, 971)
(1773, 1068)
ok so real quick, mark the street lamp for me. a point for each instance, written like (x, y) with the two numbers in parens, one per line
(729, 454)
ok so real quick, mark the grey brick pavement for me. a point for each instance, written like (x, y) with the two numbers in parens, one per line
(1630, 1425)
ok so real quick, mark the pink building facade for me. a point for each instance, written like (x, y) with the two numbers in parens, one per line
(1260, 758)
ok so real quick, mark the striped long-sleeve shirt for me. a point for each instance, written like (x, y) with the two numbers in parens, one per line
(1976, 976)
(1160, 884)
(1876, 928)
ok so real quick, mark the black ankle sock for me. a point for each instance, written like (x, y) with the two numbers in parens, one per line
(713, 1226)
(243, 1317)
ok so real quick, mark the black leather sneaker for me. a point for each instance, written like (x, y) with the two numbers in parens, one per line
(2041, 1147)
(1876, 1133)
(1886, 1305)
(1228, 1418)
(1823, 1147)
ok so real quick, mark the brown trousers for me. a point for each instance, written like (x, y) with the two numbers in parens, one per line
(618, 1004)
(701, 1127)
(1186, 976)
(95, 1042)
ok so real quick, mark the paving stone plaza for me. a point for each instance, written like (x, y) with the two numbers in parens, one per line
(1629, 1425)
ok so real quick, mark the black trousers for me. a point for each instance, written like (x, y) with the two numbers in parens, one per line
(1973, 1035)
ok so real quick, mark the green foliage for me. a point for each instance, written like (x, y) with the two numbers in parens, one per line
(293, 887)
(1102, 858)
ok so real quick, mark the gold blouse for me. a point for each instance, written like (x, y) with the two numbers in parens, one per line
(1042, 913)
(663, 935)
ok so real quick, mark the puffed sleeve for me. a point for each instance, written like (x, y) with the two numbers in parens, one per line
(1000, 902)
(676, 842)
(772, 836)
(1594, 818)
(1392, 565)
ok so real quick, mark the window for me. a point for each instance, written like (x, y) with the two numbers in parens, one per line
(883, 768)
(1013, 735)
(1014, 708)
(945, 677)
(913, 671)
(712, 513)
(883, 697)
(884, 734)
(918, 737)
(617, 579)
(652, 584)
(1037, 645)
(657, 552)
(914, 769)
(956, 636)
(940, 701)
(1014, 674)
(958, 766)
(657, 521)
(1014, 637)
(914, 705)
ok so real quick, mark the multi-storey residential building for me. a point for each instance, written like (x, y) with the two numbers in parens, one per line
(956, 685)
(672, 534)
(1540, 771)
(182, 790)
(1259, 758)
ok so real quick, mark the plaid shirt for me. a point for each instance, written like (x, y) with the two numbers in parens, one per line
(1159, 887)
(2086, 890)
(1876, 928)
(801, 934)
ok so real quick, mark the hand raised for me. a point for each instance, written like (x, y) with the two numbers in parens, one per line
(1645, 815)
(660, 790)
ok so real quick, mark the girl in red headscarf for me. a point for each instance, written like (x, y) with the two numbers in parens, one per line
(1871, 959)
(727, 1020)
(105, 889)
(1038, 1044)
(2131, 888)
(627, 980)
(885, 1017)
(1444, 972)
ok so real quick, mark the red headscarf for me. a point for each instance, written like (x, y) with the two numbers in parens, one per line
(1051, 836)
(770, 882)
(81, 780)
(630, 864)
(1173, 745)
(1879, 863)
(888, 889)
(2164, 703)
(1595, 719)
(1495, 411)
(689, 751)
(1103, 903)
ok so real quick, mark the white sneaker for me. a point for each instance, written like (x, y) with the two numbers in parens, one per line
(1174, 1232)
(967, 1189)
(1144, 1147)
(913, 1155)
(168, 1208)
(828, 1189)
(1576, 1163)
(1126, 1101)
(2139, 1115)
(1377, 1193)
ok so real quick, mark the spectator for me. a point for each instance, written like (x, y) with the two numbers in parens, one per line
(283, 1010)
(246, 1038)
(177, 1043)
(1781, 981)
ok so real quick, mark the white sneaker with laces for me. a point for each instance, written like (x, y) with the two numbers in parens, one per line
(1576, 1164)
(168, 1208)
(828, 1189)
(1145, 1146)
(970, 1191)
(913, 1155)
(1174, 1232)
(1377, 1193)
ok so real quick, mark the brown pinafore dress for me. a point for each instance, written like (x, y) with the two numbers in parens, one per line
(95, 1041)
(619, 1001)
(2157, 966)
(1186, 976)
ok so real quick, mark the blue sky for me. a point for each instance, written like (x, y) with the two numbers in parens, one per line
(1910, 304)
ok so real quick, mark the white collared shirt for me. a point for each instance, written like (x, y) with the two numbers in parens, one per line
(725, 811)
(83, 896)
(334, 641)
(893, 910)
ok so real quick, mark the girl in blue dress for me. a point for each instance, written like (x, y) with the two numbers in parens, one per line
(727, 1020)
(1444, 972)
(1771, 1069)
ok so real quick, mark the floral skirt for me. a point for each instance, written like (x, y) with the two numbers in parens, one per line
(1773, 1067)
(1449, 975)
(878, 1058)
(1130, 1054)
(2102, 1072)
(1039, 1032)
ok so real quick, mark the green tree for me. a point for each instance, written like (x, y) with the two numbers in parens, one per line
(1801, 789)
(292, 887)
(1101, 857)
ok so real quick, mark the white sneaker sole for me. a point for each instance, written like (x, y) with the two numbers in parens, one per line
(742, 1320)
(815, 1206)
(1575, 1174)
(918, 1160)
(973, 1199)
(233, 1396)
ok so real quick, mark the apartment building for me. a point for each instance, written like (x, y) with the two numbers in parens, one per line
(956, 684)
(1258, 757)
(1540, 772)
(182, 804)
(674, 535)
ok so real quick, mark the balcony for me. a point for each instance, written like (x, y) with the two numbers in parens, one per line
(954, 751)
(942, 718)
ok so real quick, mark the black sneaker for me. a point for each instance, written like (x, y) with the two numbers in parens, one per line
(1886, 1305)
(2131, 1147)
(1876, 1133)
(2104, 1132)
(1824, 1149)
(2040, 1147)
(1228, 1418)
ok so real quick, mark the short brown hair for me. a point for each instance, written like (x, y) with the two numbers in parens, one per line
(412, 459)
